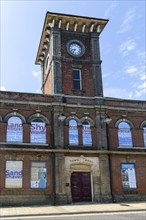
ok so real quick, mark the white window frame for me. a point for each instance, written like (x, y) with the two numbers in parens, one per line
(80, 80)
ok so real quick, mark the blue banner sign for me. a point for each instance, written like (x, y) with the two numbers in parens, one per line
(87, 139)
(38, 132)
(128, 176)
(124, 135)
(73, 132)
(14, 130)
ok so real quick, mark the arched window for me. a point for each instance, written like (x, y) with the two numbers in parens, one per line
(14, 130)
(73, 132)
(86, 134)
(144, 134)
(124, 134)
(38, 131)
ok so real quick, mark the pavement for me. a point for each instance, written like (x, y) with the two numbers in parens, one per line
(71, 209)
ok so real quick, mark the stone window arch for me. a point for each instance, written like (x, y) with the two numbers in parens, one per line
(87, 119)
(72, 117)
(125, 133)
(14, 114)
(40, 116)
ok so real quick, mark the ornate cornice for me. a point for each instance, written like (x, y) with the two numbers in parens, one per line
(68, 23)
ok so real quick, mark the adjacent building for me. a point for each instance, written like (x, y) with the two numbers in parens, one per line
(70, 143)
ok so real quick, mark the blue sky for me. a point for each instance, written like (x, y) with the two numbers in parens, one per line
(122, 43)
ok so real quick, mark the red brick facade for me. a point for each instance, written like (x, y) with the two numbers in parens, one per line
(64, 132)
(28, 152)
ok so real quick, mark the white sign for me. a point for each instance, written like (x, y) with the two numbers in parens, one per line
(38, 175)
(38, 132)
(128, 176)
(13, 176)
(124, 135)
(132, 178)
(14, 130)
(87, 139)
(91, 161)
(73, 133)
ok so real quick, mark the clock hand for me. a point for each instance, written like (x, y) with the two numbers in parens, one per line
(73, 50)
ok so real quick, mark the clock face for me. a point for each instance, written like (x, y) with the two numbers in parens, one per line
(75, 49)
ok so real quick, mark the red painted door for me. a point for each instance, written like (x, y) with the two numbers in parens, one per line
(81, 187)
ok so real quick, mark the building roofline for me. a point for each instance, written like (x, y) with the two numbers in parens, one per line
(68, 17)
(78, 16)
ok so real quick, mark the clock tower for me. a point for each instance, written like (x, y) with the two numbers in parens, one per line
(69, 55)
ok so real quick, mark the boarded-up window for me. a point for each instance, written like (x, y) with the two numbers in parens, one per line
(124, 134)
(86, 134)
(14, 130)
(73, 132)
(38, 131)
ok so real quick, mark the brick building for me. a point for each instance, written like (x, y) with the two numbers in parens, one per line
(70, 143)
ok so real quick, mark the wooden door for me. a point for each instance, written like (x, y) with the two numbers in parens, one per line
(81, 187)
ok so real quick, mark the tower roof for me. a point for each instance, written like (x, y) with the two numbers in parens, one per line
(69, 23)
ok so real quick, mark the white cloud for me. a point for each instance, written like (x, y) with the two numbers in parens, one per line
(2, 88)
(127, 23)
(141, 57)
(112, 6)
(142, 88)
(137, 70)
(139, 87)
(127, 47)
(143, 77)
(137, 91)
(105, 75)
(36, 73)
(141, 54)
(116, 92)
(131, 70)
